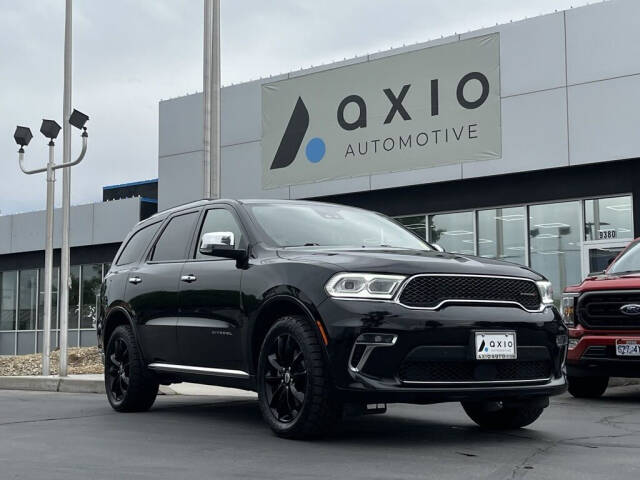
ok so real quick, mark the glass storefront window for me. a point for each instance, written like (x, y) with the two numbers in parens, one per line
(8, 296)
(453, 231)
(74, 296)
(27, 299)
(501, 234)
(91, 281)
(54, 299)
(555, 242)
(417, 224)
(608, 218)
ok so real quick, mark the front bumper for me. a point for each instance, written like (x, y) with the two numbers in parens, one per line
(433, 357)
(594, 354)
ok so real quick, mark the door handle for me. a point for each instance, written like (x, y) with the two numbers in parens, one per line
(135, 280)
(188, 278)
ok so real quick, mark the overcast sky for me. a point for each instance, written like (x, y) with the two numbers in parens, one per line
(129, 54)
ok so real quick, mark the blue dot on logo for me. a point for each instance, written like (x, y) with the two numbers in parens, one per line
(315, 150)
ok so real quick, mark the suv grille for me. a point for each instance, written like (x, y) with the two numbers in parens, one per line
(429, 291)
(602, 309)
(470, 371)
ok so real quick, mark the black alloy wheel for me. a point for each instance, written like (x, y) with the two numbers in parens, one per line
(285, 378)
(129, 384)
(118, 370)
(295, 392)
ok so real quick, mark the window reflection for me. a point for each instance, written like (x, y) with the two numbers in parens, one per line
(501, 234)
(453, 232)
(555, 243)
(417, 224)
(27, 299)
(91, 281)
(74, 296)
(8, 300)
(54, 298)
(608, 218)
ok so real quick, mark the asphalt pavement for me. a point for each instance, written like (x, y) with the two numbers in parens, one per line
(77, 436)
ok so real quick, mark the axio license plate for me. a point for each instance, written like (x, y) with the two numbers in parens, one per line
(627, 348)
(496, 345)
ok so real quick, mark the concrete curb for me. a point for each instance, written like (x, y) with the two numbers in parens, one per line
(53, 384)
(95, 384)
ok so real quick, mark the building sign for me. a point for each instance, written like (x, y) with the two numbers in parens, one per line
(435, 106)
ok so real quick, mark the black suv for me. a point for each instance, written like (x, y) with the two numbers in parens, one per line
(325, 311)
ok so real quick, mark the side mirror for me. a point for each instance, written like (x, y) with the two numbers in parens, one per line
(595, 274)
(437, 247)
(220, 244)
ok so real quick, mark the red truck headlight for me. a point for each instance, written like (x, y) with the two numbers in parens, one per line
(568, 309)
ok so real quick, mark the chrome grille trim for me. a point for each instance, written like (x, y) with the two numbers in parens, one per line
(541, 308)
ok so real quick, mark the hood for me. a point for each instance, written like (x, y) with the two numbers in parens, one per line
(626, 281)
(405, 262)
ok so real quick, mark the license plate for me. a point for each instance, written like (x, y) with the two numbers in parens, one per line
(627, 348)
(495, 345)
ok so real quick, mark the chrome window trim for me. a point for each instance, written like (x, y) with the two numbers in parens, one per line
(218, 372)
(541, 308)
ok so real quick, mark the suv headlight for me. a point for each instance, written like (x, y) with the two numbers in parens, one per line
(364, 285)
(546, 291)
(568, 310)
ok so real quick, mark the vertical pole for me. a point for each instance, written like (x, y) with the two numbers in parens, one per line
(66, 193)
(211, 87)
(215, 100)
(48, 264)
(206, 102)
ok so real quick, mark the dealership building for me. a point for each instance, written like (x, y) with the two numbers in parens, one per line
(518, 142)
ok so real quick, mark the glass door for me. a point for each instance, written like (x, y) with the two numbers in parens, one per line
(597, 255)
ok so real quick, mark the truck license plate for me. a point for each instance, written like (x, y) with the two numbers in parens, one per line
(495, 345)
(627, 348)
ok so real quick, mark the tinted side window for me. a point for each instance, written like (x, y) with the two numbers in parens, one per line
(173, 241)
(136, 244)
(219, 220)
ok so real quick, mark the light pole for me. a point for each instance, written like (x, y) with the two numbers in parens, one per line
(211, 100)
(23, 136)
(65, 280)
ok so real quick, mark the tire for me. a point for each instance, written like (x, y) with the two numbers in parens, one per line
(130, 386)
(587, 387)
(495, 416)
(295, 392)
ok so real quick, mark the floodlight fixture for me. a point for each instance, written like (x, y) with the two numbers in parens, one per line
(50, 129)
(78, 119)
(22, 136)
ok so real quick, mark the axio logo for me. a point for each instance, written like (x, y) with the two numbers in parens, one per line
(293, 137)
(316, 148)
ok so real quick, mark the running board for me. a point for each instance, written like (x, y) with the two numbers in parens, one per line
(216, 372)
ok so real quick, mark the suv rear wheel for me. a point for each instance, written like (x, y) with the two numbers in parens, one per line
(498, 416)
(294, 388)
(587, 387)
(130, 386)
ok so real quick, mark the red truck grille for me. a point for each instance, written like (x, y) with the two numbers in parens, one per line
(603, 310)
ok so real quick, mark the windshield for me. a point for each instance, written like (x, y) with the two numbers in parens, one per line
(296, 225)
(628, 262)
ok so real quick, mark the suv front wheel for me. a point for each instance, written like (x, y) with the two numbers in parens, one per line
(498, 416)
(130, 386)
(294, 389)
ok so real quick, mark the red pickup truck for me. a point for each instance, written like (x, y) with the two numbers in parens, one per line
(603, 316)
